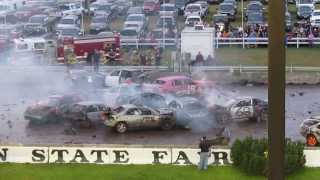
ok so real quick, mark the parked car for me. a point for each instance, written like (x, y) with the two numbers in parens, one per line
(167, 10)
(255, 18)
(48, 110)
(234, 2)
(107, 8)
(194, 9)
(71, 9)
(135, 10)
(151, 6)
(309, 3)
(180, 5)
(122, 6)
(228, 9)
(140, 19)
(254, 6)
(85, 113)
(204, 6)
(166, 22)
(69, 32)
(99, 24)
(36, 25)
(315, 18)
(24, 13)
(310, 129)
(70, 21)
(304, 12)
(192, 20)
(132, 117)
(221, 20)
(288, 21)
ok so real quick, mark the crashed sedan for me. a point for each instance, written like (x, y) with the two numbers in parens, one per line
(310, 129)
(148, 99)
(48, 110)
(191, 112)
(128, 117)
(84, 113)
(241, 109)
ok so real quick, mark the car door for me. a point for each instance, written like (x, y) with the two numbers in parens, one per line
(133, 118)
(242, 110)
(148, 119)
(113, 78)
(93, 113)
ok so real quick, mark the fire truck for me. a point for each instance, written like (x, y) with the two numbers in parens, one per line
(83, 47)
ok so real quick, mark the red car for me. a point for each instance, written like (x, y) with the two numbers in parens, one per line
(151, 6)
(181, 85)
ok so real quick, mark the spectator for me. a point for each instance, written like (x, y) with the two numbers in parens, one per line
(310, 39)
(158, 57)
(199, 59)
(143, 59)
(96, 60)
(204, 153)
(112, 57)
(209, 60)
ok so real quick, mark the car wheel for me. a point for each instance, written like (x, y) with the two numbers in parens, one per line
(312, 140)
(167, 124)
(121, 127)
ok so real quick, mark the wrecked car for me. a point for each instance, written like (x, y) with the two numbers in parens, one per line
(190, 110)
(84, 113)
(85, 79)
(48, 110)
(133, 117)
(310, 129)
(241, 109)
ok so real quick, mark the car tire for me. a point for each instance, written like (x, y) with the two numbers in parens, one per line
(312, 140)
(121, 127)
(167, 124)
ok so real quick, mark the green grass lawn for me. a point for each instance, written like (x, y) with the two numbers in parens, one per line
(132, 172)
(259, 56)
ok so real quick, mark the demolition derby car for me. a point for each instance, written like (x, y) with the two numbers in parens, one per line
(48, 110)
(310, 129)
(241, 109)
(133, 117)
(85, 113)
(148, 99)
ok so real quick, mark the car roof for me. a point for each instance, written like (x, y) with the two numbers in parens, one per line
(167, 4)
(227, 3)
(39, 15)
(316, 10)
(172, 78)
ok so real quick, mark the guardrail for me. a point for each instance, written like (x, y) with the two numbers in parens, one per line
(263, 41)
(218, 42)
(253, 68)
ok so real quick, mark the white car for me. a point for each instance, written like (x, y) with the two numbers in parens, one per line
(167, 10)
(140, 19)
(194, 9)
(69, 21)
(305, 2)
(118, 77)
(72, 9)
(315, 18)
(193, 20)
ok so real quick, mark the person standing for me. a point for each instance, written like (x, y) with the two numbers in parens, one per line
(199, 59)
(204, 153)
(143, 60)
(158, 57)
(96, 60)
(112, 57)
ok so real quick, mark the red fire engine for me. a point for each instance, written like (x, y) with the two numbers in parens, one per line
(84, 47)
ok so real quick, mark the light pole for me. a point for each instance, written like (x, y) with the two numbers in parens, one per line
(242, 23)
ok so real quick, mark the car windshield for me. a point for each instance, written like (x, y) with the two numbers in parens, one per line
(104, 7)
(226, 7)
(255, 17)
(193, 8)
(219, 18)
(305, 9)
(167, 8)
(67, 21)
(194, 19)
(128, 32)
(306, 1)
(36, 20)
(255, 7)
(98, 20)
(134, 18)
(69, 32)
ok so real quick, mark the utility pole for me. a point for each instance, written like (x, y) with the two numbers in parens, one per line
(85, 16)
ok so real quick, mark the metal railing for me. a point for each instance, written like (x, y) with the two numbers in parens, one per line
(241, 68)
(221, 41)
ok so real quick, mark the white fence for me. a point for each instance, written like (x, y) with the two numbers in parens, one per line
(297, 42)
